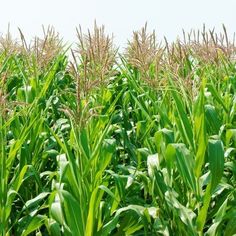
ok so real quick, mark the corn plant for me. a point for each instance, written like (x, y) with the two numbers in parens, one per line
(140, 143)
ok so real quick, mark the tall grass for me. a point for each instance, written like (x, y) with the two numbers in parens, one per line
(136, 144)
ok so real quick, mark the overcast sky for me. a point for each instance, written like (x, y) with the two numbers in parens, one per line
(121, 17)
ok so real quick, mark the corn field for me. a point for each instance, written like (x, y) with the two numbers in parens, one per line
(94, 142)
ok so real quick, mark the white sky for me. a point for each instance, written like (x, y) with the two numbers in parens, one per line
(121, 17)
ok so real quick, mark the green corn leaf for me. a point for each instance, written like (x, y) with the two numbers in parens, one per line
(216, 161)
(184, 123)
(35, 223)
(200, 131)
(184, 161)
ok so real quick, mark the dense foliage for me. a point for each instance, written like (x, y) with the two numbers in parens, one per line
(142, 143)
